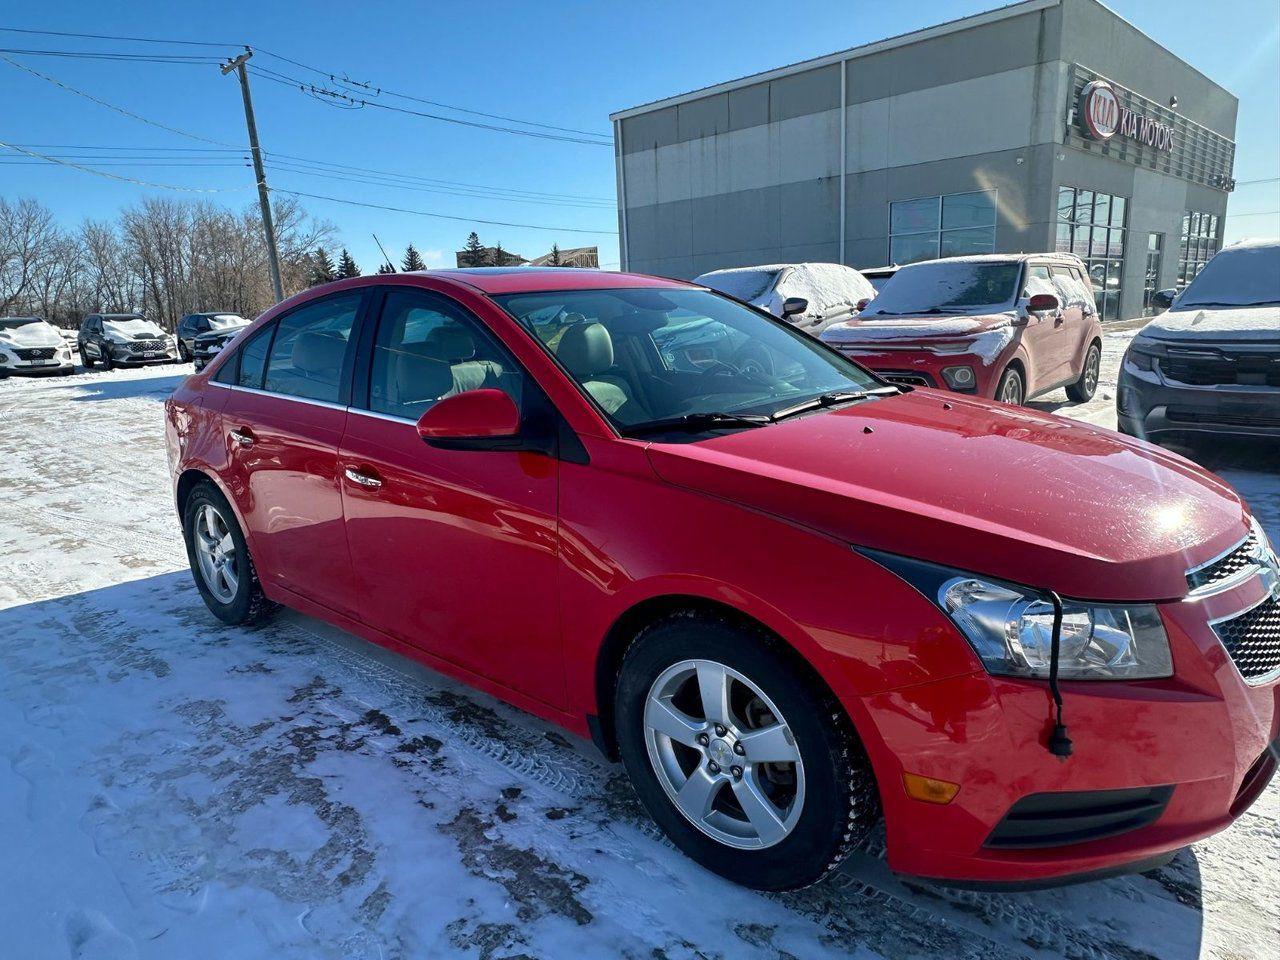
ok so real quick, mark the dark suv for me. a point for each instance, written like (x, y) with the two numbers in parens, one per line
(194, 326)
(1211, 363)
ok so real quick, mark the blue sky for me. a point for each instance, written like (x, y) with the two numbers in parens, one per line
(568, 64)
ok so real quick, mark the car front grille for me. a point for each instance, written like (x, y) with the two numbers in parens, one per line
(1060, 819)
(146, 346)
(1222, 368)
(1240, 558)
(906, 379)
(35, 353)
(1252, 639)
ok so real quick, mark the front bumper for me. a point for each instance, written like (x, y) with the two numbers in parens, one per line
(125, 355)
(1205, 733)
(921, 367)
(1148, 404)
(60, 362)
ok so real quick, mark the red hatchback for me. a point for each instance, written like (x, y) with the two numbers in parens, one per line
(792, 597)
(1005, 326)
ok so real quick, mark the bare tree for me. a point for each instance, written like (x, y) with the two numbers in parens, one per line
(27, 236)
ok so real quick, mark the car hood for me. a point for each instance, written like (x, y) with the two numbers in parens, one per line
(31, 335)
(1006, 492)
(870, 328)
(1252, 324)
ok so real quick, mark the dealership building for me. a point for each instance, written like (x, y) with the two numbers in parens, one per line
(1045, 125)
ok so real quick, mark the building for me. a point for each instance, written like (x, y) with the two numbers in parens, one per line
(1047, 124)
(570, 257)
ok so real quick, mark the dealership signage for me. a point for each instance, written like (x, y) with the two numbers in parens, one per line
(1102, 116)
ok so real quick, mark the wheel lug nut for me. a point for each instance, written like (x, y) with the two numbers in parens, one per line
(737, 773)
(703, 739)
(739, 749)
(713, 767)
(721, 730)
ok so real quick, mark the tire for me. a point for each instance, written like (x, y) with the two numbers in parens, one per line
(239, 603)
(1083, 389)
(107, 362)
(822, 806)
(1011, 389)
(85, 360)
(184, 355)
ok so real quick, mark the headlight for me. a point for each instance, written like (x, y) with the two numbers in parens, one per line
(1139, 357)
(1011, 630)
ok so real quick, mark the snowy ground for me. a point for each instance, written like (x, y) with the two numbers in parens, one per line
(171, 788)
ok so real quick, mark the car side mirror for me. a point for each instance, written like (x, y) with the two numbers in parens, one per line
(470, 420)
(794, 305)
(1164, 298)
(1042, 302)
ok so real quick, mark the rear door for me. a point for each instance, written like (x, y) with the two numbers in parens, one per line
(1077, 316)
(454, 551)
(283, 423)
(1045, 333)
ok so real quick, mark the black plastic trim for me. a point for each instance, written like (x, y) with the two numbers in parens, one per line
(1048, 883)
(1066, 818)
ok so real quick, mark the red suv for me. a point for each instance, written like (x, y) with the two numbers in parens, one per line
(792, 597)
(1007, 327)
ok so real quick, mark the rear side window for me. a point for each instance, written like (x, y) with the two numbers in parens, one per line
(1039, 281)
(1070, 288)
(428, 348)
(310, 347)
(253, 358)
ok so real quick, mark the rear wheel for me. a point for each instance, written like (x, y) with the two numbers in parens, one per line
(750, 768)
(219, 557)
(1011, 389)
(1083, 389)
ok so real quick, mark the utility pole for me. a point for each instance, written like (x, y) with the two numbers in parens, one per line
(273, 255)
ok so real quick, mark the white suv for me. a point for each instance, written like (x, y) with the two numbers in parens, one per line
(810, 295)
(30, 345)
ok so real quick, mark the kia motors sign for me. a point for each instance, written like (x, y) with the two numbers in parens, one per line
(1102, 117)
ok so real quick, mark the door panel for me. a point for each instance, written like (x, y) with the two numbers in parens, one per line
(1077, 312)
(453, 551)
(1043, 335)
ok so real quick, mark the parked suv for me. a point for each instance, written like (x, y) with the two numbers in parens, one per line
(31, 345)
(792, 603)
(124, 338)
(194, 325)
(1211, 364)
(1004, 326)
(811, 295)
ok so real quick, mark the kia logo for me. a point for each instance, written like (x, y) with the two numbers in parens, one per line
(1100, 110)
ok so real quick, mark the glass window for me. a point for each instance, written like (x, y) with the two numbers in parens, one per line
(428, 348)
(968, 210)
(1084, 206)
(913, 216)
(1102, 208)
(949, 286)
(1038, 281)
(1097, 238)
(253, 358)
(1066, 203)
(959, 243)
(1117, 211)
(1064, 238)
(913, 247)
(310, 347)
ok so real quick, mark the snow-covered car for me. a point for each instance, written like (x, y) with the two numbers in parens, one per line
(193, 325)
(223, 329)
(31, 345)
(810, 295)
(124, 338)
(1211, 363)
(1006, 327)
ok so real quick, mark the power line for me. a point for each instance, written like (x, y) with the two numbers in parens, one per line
(112, 176)
(105, 36)
(1257, 213)
(444, 216)
(125, 57)
(1247, 183)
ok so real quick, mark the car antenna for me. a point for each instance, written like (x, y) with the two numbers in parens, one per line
(384, 253)
(1059, 743)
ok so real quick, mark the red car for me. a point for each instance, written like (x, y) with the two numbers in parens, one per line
(1008, 327)
(792, 597)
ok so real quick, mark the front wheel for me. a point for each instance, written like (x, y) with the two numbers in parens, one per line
(748, 766)
(85, 359)
(107, 362)
(1011, 389)
(219, 558)
(1083, 389)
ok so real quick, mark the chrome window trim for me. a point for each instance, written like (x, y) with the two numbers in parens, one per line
(381, 416)
(1270, 595)
(280, 396)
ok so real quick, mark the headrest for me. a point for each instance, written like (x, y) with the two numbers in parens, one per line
(315, 352)
(586, 349)
(451, 343)
(419, 375)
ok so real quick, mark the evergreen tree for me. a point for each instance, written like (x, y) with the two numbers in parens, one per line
(347, 266)
(499, 255)
(321, 268)
(386, 268)
(474, 253)
(412, 259)
(555, 256)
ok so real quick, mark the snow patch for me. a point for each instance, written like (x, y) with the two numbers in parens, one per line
(1227, 323)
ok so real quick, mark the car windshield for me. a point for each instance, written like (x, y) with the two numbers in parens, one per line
(13, 323)
(749, 283)
(130, 327)
(226, 321)
(1240, 276)
(949, 286)
(650, 356)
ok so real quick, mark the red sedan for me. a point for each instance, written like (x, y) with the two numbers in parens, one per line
(791, 597)
(1004, 326)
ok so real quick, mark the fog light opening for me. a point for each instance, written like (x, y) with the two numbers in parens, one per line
(929, 789)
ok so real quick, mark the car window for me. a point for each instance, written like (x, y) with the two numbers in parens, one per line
(309, 349)
(1038, 281)
(1069, 288)
(253, 358)
(428, 348)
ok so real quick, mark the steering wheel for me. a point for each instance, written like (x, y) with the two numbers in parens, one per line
(718, 368)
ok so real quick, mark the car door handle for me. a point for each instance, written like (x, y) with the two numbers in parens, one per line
(362, 478)
(243, 436)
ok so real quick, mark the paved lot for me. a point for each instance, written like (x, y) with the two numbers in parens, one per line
(173, 788)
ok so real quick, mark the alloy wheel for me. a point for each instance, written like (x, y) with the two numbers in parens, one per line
(216, 554)
(724, 754)
(1011, 389)
(1092, 365)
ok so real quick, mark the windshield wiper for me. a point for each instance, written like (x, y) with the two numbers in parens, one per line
(695, 422)
(829, 400)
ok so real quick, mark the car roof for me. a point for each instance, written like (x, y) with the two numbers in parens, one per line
(501, 280)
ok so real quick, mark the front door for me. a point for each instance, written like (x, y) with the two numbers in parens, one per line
(1045, 335)
(283, 424)
(454, 551)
